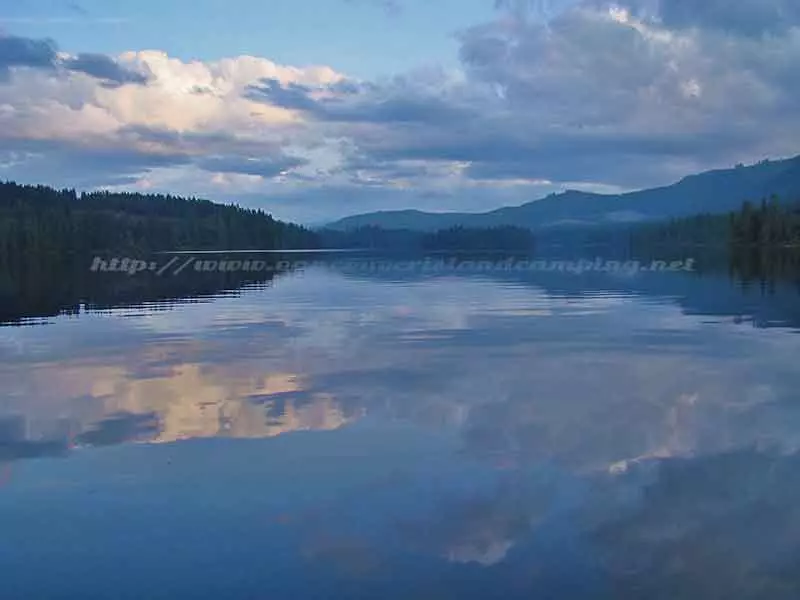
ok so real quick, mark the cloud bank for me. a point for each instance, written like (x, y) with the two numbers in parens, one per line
(548, 95)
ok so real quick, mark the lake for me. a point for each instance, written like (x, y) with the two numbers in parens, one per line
(340, 430)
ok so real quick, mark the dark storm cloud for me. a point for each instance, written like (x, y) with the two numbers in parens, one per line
(43, 54)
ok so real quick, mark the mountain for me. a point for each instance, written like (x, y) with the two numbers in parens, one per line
(716, 191)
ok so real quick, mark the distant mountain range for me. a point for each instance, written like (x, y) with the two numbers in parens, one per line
(716, 191)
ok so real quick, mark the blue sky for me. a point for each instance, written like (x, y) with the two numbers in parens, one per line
(365, 38)
(318, 109)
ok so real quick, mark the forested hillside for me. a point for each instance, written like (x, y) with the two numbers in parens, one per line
(771, 222)
(40, 219)
(714, 192)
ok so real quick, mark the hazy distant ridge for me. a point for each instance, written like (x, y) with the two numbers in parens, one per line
(716, 191)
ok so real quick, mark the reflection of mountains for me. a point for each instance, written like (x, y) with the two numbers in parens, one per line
(707, 292)
(48, 289)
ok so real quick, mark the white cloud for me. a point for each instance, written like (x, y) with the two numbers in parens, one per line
(189, 112)
(603, 95)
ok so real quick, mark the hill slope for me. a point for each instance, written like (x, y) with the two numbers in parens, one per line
(716, 191)
(42, 219)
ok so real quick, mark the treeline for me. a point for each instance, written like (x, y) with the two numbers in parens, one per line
(43, 220)
(371, 238)
(454, 238)
(769, 223)
(703, 229)
(493, 238)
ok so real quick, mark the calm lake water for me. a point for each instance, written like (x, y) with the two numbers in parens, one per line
(342, 433)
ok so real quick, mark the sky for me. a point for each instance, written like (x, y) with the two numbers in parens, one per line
(318, 109)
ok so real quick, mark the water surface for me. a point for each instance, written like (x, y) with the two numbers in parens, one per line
(327, 433)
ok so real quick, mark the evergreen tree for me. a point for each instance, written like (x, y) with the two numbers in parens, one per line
(42, 220)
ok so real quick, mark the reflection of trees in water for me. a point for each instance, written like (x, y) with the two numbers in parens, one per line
(35, 287)
(39, 287)
(765, 267)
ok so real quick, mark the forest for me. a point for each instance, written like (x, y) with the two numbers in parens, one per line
(769, 223)
(454, 238)
(41, 220)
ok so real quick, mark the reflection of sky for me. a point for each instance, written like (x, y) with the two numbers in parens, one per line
(455, 351)
(455, 426)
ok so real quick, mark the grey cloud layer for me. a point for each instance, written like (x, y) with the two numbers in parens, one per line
(745, 17)
(81, 166)
(24, 52)
(102, 67)
(597, 94)
(122, 159)
(362, 103)
(43, 54)
(631, 93)
(262, 167)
